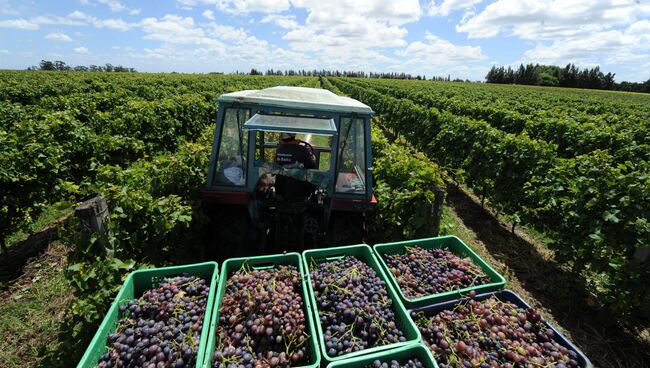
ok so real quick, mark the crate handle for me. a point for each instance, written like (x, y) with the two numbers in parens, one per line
(331, 258)
(264, 266)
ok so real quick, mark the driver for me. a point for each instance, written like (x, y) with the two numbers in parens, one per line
(291, 151)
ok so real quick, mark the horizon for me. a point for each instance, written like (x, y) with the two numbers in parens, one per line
(461, 38)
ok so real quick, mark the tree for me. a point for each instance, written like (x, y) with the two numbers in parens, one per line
(46, 65)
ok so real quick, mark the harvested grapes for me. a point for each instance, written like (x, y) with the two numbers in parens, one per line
(261, 320)
(160, 329)
(354, 308)
(492, 333)
(410, 363)
(422, 272)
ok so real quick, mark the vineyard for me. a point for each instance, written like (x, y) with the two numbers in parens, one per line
(568, 167)
(579, 174)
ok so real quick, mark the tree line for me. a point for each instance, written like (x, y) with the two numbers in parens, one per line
(569, 76)
(345, 73)
(62, 66)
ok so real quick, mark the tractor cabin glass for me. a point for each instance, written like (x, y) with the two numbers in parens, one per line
(233, 149)
(351, 167)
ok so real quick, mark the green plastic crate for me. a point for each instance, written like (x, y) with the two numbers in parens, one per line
(453, 244)
(135, 285)
(400, 354)
(364, 253)
(262, 262)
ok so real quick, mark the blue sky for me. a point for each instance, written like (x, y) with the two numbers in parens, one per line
(463, 38)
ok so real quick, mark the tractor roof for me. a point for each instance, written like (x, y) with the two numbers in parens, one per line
(298, 98)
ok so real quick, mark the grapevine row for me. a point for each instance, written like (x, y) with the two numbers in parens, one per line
(56, 128)
(594, 208)
(629, 141)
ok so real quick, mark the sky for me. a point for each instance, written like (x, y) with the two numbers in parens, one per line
(461, 38)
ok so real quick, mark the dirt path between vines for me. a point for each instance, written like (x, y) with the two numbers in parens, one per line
(33, 310)
(13, 263)
(531, 272)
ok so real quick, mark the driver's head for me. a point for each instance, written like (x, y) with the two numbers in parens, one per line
(285, 137)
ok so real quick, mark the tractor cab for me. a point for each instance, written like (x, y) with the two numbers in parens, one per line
(290, 168)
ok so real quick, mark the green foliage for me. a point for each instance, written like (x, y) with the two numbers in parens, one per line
(604, 209)
(582, 124)
(404, 184)
(594, 205)
(154, 203)
(56, 128)
(142, 141)
(95, 282)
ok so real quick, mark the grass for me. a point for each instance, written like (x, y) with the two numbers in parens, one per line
(32, 310)
(49, 214)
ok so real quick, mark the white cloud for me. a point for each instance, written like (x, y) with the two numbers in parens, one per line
(628, 46)
(76, 18)
(115, 24)
(583, 32)
(189, 4)
(335, 33)
(351, 34)
(549, 19)
(239, 6)
(81, 50)
(116, 6)
(448, 6)
(5, 52)
(282, 21)
(209, 14)
(250, 6)
(224, 32)
(580, 50)
(439, 57)
(58, 36)
(176, 30)
(327, 13)
(439, 51)
(19, 24)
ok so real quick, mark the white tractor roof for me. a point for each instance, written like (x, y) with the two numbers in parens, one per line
(298, 98)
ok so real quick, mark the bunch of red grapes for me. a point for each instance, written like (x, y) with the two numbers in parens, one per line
(354, 308)
(492, 333)
(262, 321)
(162, 328)
(422, 272)
(409, 363)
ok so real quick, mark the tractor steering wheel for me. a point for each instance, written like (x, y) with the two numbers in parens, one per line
(309, 147)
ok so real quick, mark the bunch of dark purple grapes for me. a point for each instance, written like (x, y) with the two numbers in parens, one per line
(162, 328)
(261, 320)
(353, 306)
(421, 272)
(492, 333)
(410, 363)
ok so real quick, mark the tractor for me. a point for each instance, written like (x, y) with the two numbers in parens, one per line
(257, 204)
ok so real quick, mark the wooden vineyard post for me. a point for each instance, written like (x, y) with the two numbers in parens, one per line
(93, 219)
(438, 202)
